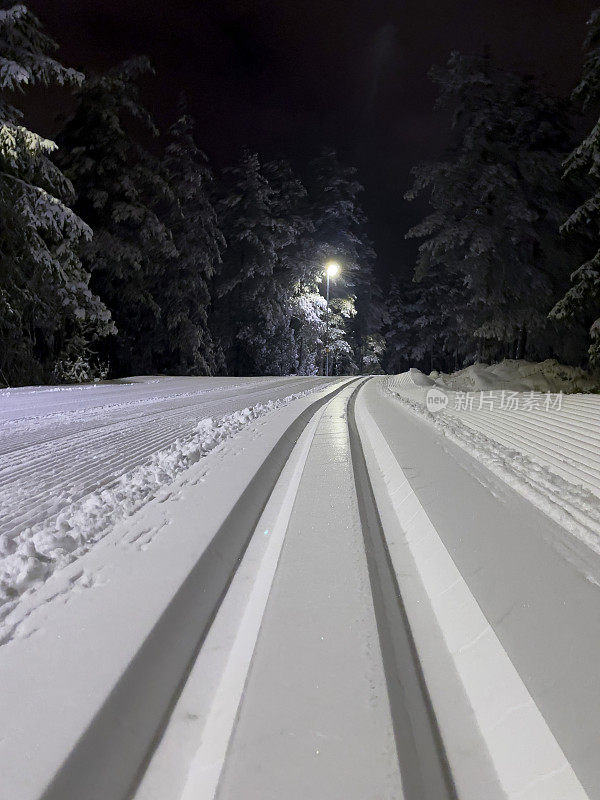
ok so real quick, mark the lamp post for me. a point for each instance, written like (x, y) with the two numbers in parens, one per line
(331, 270)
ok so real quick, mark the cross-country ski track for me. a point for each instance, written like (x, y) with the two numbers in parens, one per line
(295, 588)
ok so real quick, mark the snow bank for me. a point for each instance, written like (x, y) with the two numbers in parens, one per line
(28, 557)
(521, 376)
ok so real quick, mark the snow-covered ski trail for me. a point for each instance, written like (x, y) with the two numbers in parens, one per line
(367, 611)
(335, 626)
(63, 481)
(62, 465)
(535, 590)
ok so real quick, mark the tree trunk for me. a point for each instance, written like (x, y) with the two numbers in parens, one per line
(522, 342)
(300, 354)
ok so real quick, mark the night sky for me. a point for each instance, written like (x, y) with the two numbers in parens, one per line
(286, 77)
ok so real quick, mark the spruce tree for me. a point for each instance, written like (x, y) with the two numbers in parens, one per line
(364, 328)
(337, 216)
(582, 228)
(254, 312)
(341, 353)
(121, 189)
(497, 200)
(338, 233)
(48, 314)
(189, 345)
(279, 329)
(426, 323)
(308, 319)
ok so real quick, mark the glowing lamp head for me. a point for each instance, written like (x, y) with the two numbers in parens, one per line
(332, 268)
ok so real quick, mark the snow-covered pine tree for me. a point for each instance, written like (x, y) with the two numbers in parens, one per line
(270, 314)
(338, 223)
(308, 316)
(365, 327)
(582, 300)
(121, 189)
(192, 220)
(341, 354)
(424, 324)
(279, 342)
(398, 326)
(260, 217)
(244, 213)
(337, 216)
(497, 200)
(48, 315)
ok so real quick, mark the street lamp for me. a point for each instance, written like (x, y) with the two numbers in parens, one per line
(331, 270)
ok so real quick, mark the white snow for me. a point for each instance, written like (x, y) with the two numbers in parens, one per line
(447, 622)
(111, 494)
(75, 460)
(546, 445)
(517, 375)
(122, 489)
(315, 719)
(71, 641)
(190, 757)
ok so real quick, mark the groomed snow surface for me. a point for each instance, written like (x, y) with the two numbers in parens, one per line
(74, 460)
(144, 519)
(518, 420)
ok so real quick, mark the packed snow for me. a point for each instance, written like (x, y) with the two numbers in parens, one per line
(177, 455)
(75, 460)
(514, 418)
(518, 376)
(535, 582)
